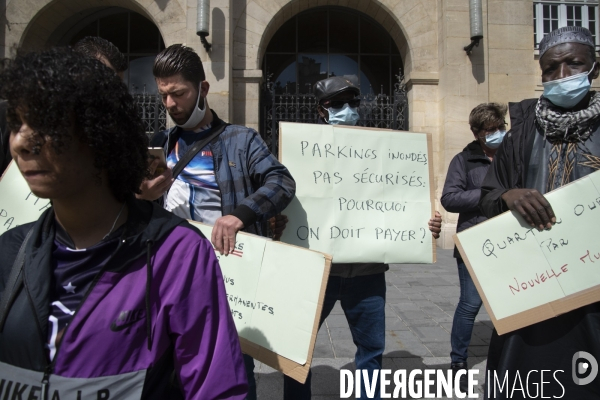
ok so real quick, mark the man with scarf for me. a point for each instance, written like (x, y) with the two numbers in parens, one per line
(554, 140)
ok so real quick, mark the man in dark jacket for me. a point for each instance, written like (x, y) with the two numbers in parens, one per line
(233, 182)
(461, 195)
(359, 287)
(554, 140)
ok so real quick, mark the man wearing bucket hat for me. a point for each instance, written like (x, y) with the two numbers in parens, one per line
(554, 140)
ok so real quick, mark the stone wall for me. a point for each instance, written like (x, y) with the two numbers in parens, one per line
(411, 23)
(444, 82)
(464, 83)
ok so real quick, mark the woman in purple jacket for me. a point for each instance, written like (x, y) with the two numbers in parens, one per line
(462, 190)
(105, 296)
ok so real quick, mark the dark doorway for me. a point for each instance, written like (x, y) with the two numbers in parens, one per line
(332, 41)
(140, 41)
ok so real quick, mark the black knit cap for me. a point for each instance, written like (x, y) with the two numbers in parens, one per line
(327, 88)
(566, 34)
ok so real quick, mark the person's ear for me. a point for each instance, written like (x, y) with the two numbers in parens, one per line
(204, 86)
(474, 132)
(322, 112)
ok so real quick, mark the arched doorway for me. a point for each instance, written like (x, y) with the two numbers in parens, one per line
(139, 40)
(135, 36)
(332, 41)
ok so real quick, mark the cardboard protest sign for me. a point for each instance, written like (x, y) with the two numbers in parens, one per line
(362, 194)
(18, 205)
(275, 290)
(275, 293)
(525, 276)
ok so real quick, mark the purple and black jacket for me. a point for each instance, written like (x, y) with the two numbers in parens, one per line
(155, 324)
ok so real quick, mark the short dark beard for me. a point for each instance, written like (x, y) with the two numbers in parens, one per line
(189, 114)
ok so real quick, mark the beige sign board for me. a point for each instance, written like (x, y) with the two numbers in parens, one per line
(275, 290)
(525, 276)
(18, 205)
(362, 194)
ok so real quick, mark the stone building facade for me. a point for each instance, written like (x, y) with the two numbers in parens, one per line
(443, 82)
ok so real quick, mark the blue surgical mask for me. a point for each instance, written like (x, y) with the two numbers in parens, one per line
(569, 91)
(494, 140)
(343, 116)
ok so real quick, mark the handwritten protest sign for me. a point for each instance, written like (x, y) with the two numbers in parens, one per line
(18, 205)
(275, 290)
(362, 194)
(526, 276)
(275, 293)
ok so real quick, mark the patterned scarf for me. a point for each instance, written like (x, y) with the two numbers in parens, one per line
(565, 130)
(566, 126)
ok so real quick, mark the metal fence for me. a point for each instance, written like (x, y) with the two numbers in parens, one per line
(152, 111)
(376, 110)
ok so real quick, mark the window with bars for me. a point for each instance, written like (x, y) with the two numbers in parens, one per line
(140, 41)
(548, 16)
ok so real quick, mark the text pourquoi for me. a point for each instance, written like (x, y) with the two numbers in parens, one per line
(362, 194)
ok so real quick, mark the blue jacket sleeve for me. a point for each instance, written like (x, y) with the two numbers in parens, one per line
(275, 187)
(455, 196)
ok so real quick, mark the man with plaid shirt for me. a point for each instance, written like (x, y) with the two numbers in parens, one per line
(234, 182)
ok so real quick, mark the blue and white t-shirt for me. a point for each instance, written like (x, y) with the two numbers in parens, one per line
(195, 194)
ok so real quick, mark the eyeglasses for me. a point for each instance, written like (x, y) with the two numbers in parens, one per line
(485, 132)
(340, 103)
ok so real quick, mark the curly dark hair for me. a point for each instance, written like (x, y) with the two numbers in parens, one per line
(61, 94)
(95, 47)
(179, 59)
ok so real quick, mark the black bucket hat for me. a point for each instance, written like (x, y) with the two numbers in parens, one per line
(327, 88)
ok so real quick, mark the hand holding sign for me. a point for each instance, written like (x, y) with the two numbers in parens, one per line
(275, 294)
(362, 194)
(224, 232)
(435, 225)
(532, 206)
(525, 275)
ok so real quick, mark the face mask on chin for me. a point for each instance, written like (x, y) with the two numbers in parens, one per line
(569, 91)
(343, 116)
(197, 114)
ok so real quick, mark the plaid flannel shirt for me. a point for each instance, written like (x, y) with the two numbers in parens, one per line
(254, 185)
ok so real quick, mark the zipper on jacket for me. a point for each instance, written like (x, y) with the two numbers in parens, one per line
(48, 369)
(216, 175)
(37, 322)
(45, 381)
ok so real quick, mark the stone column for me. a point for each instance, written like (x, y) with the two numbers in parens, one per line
(464, 84)
(424, 117)
(217, 62)
(246, 99)
(512, 64)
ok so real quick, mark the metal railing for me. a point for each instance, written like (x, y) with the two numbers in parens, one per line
(152, 111)
(376, 110)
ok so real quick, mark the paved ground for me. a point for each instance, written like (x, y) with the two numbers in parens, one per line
(420, 305)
